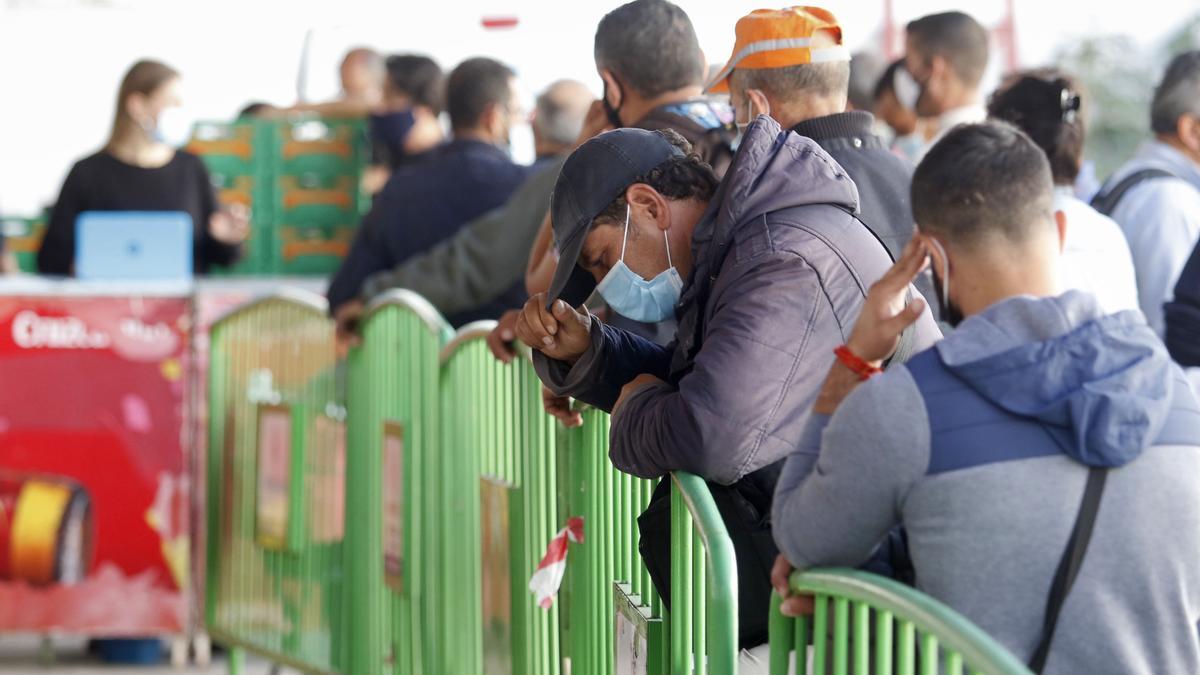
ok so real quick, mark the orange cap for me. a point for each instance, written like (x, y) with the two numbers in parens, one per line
(778, 38)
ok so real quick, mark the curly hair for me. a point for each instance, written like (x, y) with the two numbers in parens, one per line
(681, 177)
(1046, 104)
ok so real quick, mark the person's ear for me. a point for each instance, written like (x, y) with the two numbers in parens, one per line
(937, 67)
(1187, 128)
(492, 119)
(137, 106)
(759, 103)
(612, 89)
(936, 252)
(648, 205)
(1060, 221)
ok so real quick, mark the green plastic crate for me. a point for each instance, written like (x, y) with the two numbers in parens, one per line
(317, 198)
(241, 148)
(322, 147)
(313, 248)
(300, 178)
(23, 238)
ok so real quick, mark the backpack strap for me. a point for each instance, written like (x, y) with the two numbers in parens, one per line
(1108, 197)
(714, 144)
(1068, 566)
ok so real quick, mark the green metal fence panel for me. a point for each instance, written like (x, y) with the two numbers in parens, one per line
(276, 459)
(912, 632)
(454, 482)
(393, 509)
(605, 577)
(499, 447)
(704, 626)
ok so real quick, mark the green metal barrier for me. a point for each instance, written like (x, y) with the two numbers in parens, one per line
(704, 616)
(881, 626)
(275, 484)
(700, 636)
(454, 482)
(394, 507)
(500, 450)
(607, 568)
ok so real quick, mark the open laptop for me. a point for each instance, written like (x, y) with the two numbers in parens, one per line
(133, 245)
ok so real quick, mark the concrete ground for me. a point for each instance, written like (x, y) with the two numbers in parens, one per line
(21, 654)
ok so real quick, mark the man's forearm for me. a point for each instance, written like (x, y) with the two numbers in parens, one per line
(614, 358)
(837, 386)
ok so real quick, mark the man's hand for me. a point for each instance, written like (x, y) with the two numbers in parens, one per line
(346, 318)
(8, 264)
(793, 605)
(230, 225)
(595, 123)
(501, 338)
(563, 334)
(374, 178)
(884, 316)
(633, 385)
(560, 408)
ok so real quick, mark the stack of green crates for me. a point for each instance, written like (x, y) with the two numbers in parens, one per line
(300, 178)
(23, 238)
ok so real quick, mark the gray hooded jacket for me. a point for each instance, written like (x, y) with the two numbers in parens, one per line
(980, 447)
(781, 268)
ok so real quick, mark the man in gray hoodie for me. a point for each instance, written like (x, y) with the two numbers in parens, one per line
(981, 447)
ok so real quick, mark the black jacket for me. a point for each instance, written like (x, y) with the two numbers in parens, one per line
(102, 182)
(883, 179)
(423, 204)
(1182, 315)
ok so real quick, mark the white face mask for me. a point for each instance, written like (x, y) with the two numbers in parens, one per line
(521, 143)
(173, 127)
(742, 126)
(907, 89)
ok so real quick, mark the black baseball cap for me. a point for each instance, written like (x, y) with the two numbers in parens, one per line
(593, 176)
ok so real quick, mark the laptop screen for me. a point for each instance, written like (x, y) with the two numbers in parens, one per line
(133, 245)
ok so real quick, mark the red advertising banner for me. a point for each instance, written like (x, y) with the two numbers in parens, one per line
(94, 486)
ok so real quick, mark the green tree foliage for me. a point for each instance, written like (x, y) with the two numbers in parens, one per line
(1118, 79)
(1117, 86)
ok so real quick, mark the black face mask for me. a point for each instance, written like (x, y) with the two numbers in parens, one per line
(951, 314)
(614, 117)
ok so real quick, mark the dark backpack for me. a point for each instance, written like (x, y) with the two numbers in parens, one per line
(714, 144)
(1182, 315)
(1109, 196)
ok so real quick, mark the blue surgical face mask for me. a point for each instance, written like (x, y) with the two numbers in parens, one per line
(635, 298)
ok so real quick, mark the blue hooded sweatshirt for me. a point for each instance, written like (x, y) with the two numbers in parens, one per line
(980, 448)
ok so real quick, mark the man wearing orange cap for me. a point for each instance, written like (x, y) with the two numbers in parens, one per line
(791, 64)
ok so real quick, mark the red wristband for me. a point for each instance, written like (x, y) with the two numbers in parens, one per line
(855, 363)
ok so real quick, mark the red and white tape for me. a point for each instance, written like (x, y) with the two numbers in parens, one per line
(548, 576)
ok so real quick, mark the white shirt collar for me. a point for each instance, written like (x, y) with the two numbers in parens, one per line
(967, 114)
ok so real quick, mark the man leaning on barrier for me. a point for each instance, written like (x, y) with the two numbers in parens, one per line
(775, 265)
(1000, 448)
